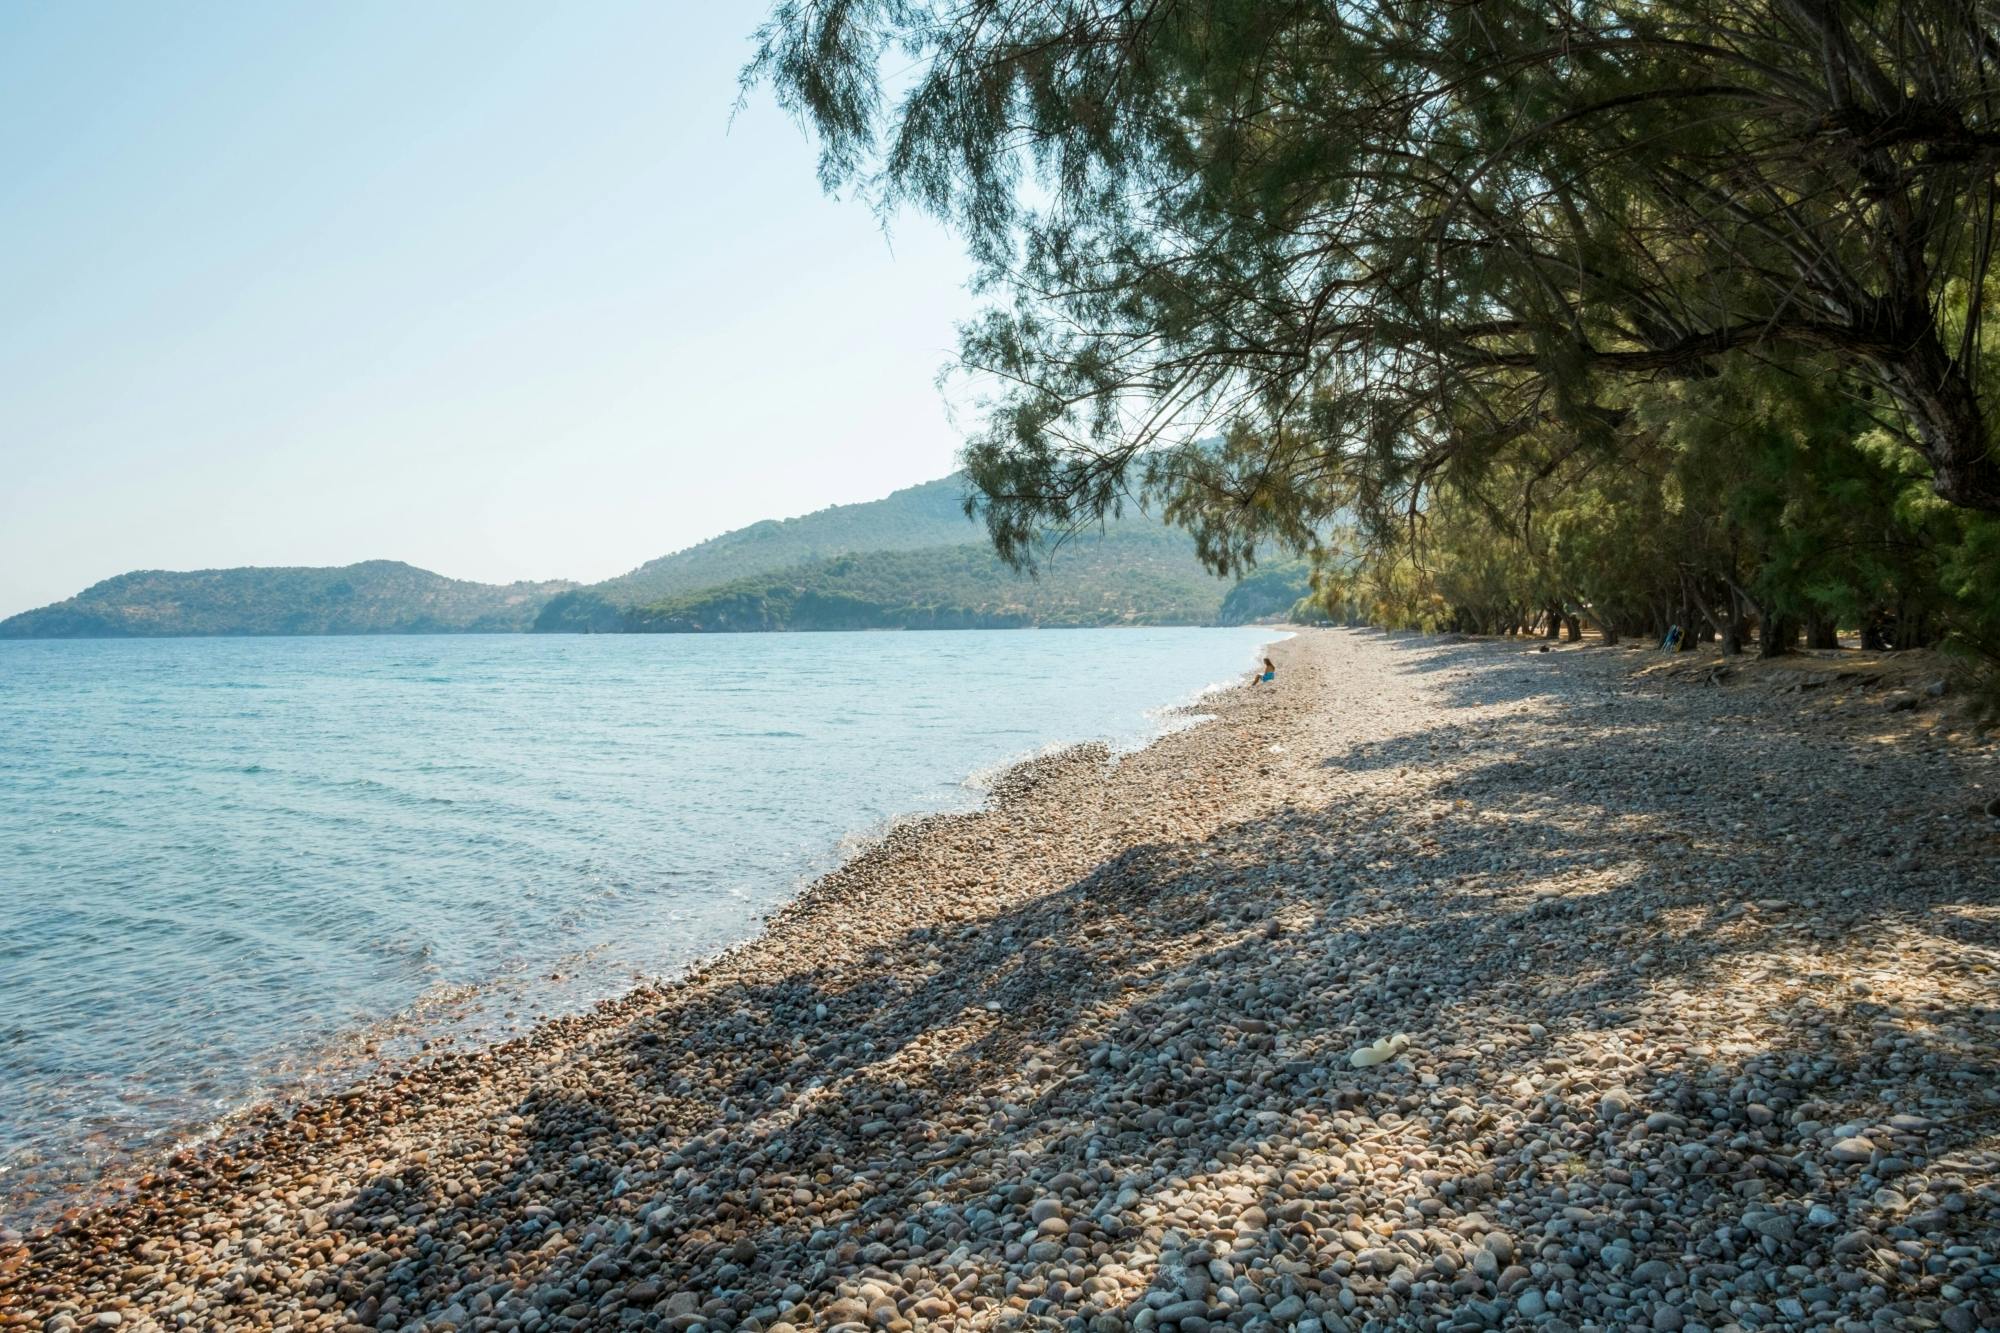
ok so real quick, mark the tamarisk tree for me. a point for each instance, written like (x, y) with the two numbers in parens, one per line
(1275, 262)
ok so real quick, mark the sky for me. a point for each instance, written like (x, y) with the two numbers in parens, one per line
(500, 289)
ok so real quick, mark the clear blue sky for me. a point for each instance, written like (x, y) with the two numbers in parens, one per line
(499, 289)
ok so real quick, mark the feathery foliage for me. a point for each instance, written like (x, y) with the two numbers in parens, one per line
(1496, 279)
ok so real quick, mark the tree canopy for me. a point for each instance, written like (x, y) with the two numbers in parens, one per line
(1687, 296)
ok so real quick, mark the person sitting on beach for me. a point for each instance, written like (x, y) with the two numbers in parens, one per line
(1270, 673)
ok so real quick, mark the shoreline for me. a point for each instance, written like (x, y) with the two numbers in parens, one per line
(577, 633)
(348, 1066)
(1081, 1059)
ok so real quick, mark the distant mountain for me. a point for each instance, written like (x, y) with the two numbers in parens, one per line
(932, 514)
(911, 560)
(1126, 577)
(1274, 592)
(374, 597)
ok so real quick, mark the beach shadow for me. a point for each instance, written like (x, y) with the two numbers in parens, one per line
(1106, 969)
(1155, 1055)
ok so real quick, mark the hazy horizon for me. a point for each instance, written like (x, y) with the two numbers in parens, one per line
(501, 292)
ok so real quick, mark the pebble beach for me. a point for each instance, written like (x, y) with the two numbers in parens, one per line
(1438, 985)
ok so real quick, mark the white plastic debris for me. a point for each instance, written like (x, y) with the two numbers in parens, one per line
(1386, 1048)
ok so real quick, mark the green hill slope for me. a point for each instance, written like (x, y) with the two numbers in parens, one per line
(1270, 593)
(931, 514)
(374, 597)
(1130, 577)
(911, 560)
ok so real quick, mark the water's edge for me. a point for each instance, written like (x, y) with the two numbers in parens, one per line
(370, 1060)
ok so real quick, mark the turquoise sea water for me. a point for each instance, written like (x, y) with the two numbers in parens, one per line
(228, 865)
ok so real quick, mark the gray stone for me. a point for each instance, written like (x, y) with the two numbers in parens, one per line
(1777, 1227)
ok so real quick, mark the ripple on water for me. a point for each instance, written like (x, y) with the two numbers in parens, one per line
(234, 867)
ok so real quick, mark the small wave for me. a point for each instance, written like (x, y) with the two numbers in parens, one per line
(984, 778)
(1183, 720)
(858, 842)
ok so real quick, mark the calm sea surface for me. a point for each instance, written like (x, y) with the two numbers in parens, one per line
(229, 866)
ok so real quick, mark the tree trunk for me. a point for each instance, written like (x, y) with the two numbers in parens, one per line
(1554, 614)
(1738, 630)
(1821, 632)
(1938, 393)
(1712, 624)
(1770, 629)
(1777, 636)
(1573, 628)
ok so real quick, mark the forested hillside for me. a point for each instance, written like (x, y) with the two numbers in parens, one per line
(374, 597)
(911, 560)
(931, 514)
(1131, 576)
(1282, 591)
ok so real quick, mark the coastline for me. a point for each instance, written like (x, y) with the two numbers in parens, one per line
(379, 1091)
(549, 973)
(350, 1069)
(1081, 1055)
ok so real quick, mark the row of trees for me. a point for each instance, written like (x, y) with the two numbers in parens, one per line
(1765, 500)
(1670, 311)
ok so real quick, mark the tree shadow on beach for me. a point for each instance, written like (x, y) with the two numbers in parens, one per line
(1280, 1094)
(1155, 1055)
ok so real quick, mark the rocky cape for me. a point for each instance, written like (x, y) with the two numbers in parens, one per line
(373, 597)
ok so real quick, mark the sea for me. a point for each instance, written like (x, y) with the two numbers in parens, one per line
(239, 869)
